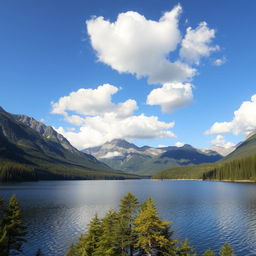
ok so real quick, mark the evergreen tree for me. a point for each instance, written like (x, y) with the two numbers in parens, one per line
(185, 249)
(153, 233)
(14, 227)
(226, 250)
(72, 251)
(108, 243)
(88, 243)
(209, 252)
(125, 233)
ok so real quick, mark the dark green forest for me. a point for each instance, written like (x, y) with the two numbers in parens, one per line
(237, 169)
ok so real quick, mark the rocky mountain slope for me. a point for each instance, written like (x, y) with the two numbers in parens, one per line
(38, 148)
(125, 156)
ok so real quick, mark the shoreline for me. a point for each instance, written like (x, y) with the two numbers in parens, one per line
(234, 181)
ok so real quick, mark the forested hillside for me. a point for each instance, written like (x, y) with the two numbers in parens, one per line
(30, 150)
(239, 165)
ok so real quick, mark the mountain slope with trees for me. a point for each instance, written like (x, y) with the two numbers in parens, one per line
(30, 150)
(238, 165)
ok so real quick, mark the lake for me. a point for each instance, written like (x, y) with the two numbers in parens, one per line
(207, 213)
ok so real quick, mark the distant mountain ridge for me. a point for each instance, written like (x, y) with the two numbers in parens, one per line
(33, 146)
(122, 155)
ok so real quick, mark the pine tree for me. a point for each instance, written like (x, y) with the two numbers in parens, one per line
(153, 233)
(14, 227)
(88, 243)
(185, 249)
(108, 244)
(226, 250)
(209, 252)
(126, 235)
(72, 251)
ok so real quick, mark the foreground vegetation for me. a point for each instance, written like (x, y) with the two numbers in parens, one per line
(134, 230)
(237, 169)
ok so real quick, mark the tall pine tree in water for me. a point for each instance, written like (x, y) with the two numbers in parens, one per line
(16, 231)
(153, 233)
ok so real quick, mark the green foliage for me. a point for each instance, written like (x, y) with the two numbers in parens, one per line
(185, 249)
(209, 252)
(16, 231)
(132, 231)
(153, 234)
(125, 233)
(12, 231)
(226, 250)
(238, 169)
(89, 242)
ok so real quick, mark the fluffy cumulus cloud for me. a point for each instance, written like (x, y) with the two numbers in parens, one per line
(136, 45)
(143, 47)
(100, 129)
(220, 141)
(197, 43)
(244, 120)
(93, 102)
(171, 96)
(101, 120)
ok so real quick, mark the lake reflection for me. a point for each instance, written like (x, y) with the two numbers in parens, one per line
(207, 213)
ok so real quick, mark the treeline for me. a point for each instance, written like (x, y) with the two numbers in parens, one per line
(11, 171)
(134, 230)
(238, 169)
(16, 172)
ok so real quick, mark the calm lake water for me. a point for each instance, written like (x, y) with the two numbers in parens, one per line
(207, 213)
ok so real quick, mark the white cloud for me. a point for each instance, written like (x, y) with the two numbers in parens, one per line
(112, 154)
(244, 120)
(179, 144)
(219, 62)
(171, 96)
(136, 45)
(220, 141)
(93, 102)
(100, 120)
(197, 43)
(100, 129)
(162, 146)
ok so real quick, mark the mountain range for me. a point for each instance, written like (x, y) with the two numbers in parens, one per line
(122, 155)
(240, 164)
(31, 149)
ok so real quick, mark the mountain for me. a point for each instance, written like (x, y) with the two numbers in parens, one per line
(222, 150)
(240, 164)
(31, 150)
(122, 155)
(243, 149)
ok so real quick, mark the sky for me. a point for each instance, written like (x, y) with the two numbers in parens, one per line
(154, 72)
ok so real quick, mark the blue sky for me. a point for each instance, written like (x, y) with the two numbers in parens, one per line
(46, 53)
